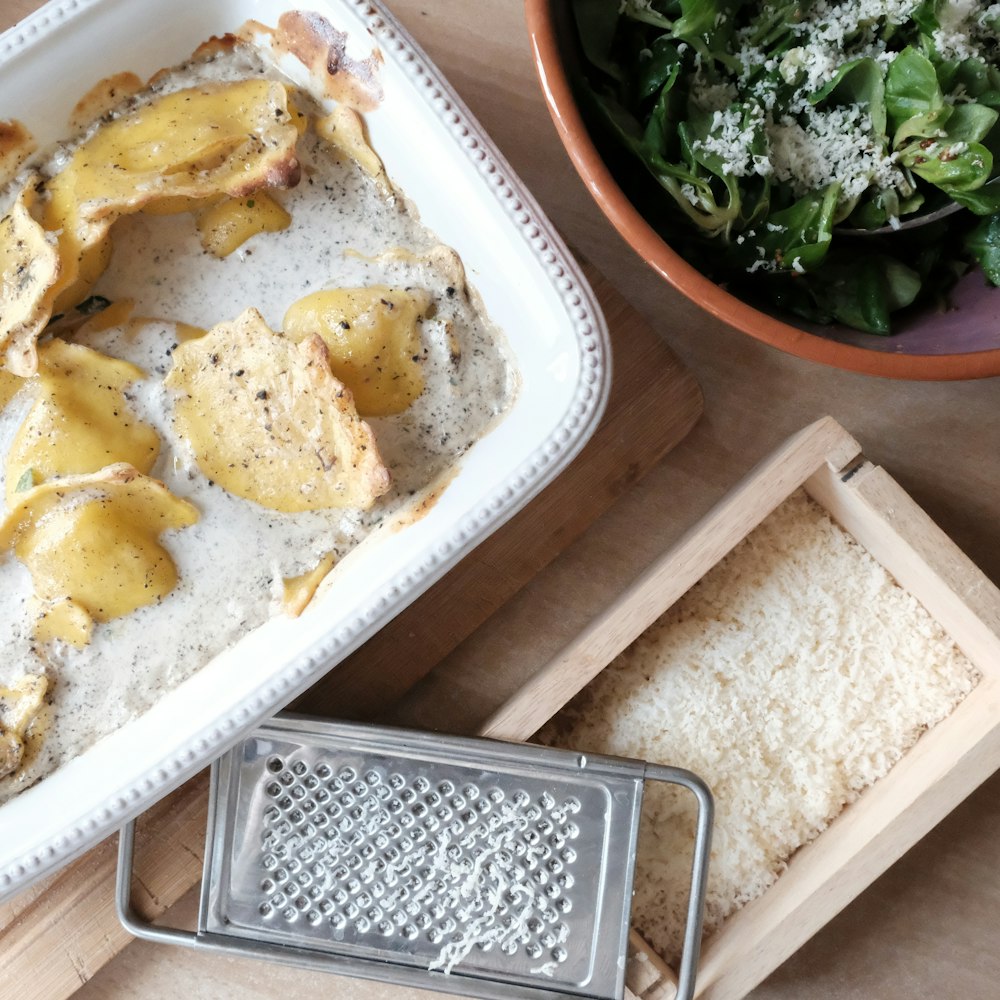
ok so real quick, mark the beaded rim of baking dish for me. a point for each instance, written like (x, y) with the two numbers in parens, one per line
(534, 473)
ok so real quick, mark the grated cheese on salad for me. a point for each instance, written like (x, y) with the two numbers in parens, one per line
(835, 145)
(807, 147)
(821, 116)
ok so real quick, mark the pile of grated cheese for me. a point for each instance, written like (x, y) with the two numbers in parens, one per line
(791, 677)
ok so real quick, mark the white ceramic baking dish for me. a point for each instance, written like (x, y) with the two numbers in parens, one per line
(530, 286)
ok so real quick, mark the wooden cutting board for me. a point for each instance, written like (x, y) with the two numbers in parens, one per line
(56, 935)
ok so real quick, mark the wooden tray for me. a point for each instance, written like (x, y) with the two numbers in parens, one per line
(56, 935)
(942, 768)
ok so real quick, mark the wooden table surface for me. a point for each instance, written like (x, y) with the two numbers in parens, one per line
(929, 926)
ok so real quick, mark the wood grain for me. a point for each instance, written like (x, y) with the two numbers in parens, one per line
(68, 928)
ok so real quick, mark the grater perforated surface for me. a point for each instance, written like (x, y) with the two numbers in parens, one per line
(509, 866)
(418, 857)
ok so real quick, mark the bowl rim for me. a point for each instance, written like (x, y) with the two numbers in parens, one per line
(714, 299)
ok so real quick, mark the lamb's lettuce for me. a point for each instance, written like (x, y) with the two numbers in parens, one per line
(715, 99)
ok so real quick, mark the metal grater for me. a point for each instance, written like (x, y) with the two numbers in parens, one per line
(463, 865)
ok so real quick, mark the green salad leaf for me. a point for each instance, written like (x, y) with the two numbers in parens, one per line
(985, 243)
(769, 132)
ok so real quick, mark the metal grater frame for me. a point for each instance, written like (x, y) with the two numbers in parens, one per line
(467, 866)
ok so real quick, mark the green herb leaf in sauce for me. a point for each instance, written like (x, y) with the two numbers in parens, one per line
(26, 482)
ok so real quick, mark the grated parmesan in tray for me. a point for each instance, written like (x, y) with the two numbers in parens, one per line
(791, 677)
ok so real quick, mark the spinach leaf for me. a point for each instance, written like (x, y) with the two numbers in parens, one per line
(984, 244)
(660, 69)
(596, 23)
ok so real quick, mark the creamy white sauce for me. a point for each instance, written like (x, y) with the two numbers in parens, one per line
(231, 563)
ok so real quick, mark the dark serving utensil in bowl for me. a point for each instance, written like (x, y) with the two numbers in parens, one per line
(960, 342)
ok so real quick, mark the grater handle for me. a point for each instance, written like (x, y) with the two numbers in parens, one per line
(699, 869)
(200, 940)
(137, 925)
(131, 920)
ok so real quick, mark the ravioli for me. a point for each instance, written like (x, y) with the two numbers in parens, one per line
(91, 544)
(16, 145)
(373, 339)
(215, 138)
(227, 224)
(344, 129)
(80, 421)
(20, 705)
(9, 385)
(298, 591)
(222, 138)
(29, 267)
(267, 420)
